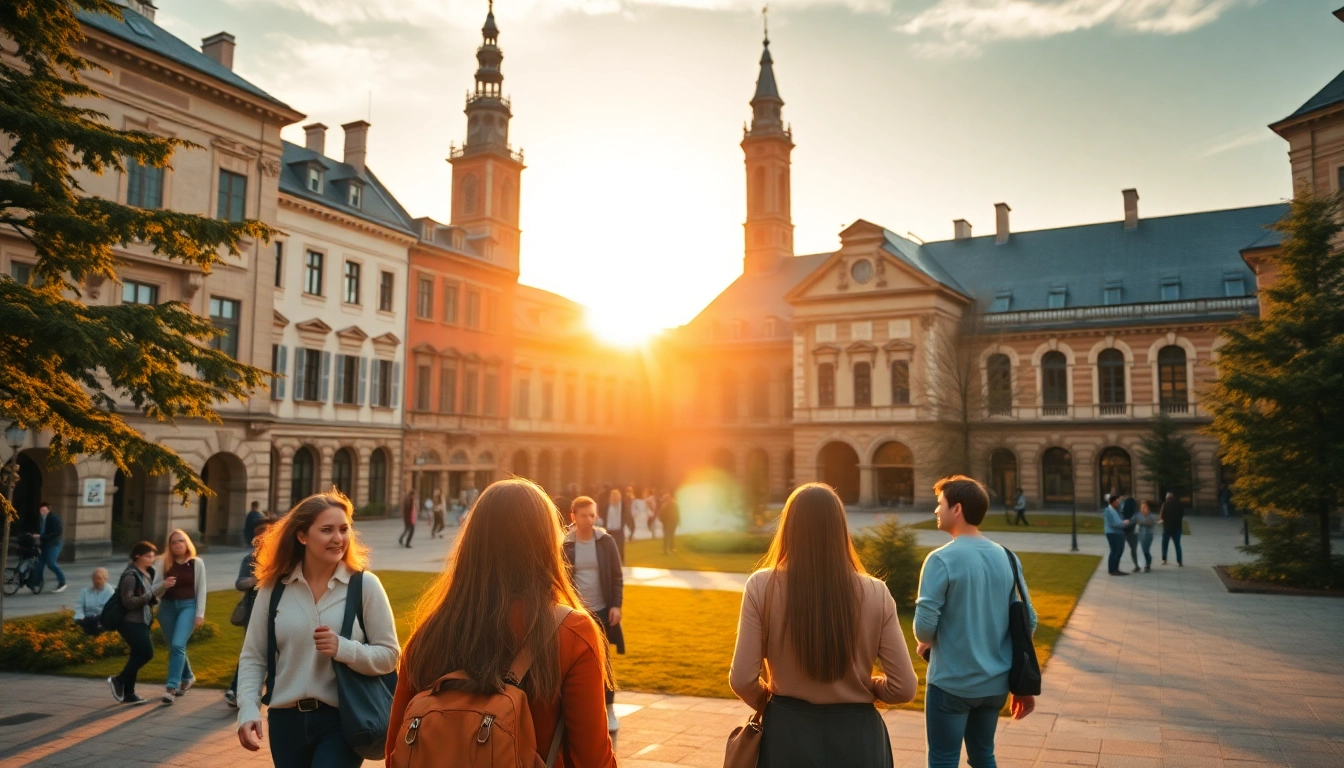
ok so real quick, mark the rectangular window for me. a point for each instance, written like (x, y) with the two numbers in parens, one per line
(356, 196)
(523, 398)
(21, 272)
(469, 386)
(1234, 285)
(133, 292)
(279, 263)
(826, 385)
(308, 374)
(386, 283)
(423, 375)
(491, 312)
(314, 180)
(590, 398)
(424, 298)
(448, 388)
(473, 309)
(863, 385)
(491, 394)
(225, 314)
(232, 196)
(1059, 298)
(1112, 294)
(385, 383)
(352, 273)
(347, 380)
(548, 399)
(611, 402)
(900, 382)
(571, 400)
(144, 185)
(1003, 301)
(1171, 289)
(449, 302)
(312, 273)
(278, 361)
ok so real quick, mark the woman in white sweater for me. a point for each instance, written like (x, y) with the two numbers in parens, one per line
(311, 554)
(182, 608)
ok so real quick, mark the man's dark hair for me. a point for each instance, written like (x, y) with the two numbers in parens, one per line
(143, 548)
(969, 493)
(42, 504)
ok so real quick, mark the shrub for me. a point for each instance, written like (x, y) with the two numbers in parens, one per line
(372, 509)
(206, 631)
(726, 543)
(888, 552)
(45, 643)
(1284, 552)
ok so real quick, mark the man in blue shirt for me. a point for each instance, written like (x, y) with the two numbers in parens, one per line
(50, 532)
(1115, 526)
(961, 623)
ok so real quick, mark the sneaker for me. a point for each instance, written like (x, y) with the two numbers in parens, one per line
(231, 699)
(118, 691)
(169, 696)
(1180, 565)
(613, 735)
(613, 724)
(1164, 562)
(59, 589)
(1147, 568)
(1119, 573)
(133, 699)
(1137, 569)
(186, 685)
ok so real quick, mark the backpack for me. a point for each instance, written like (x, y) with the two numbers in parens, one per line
(114, 610)
(447, 726)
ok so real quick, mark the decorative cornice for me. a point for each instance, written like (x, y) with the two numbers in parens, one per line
(278, 319)
(313, 326)
(387, 339)
(345, 219)
(353, 333)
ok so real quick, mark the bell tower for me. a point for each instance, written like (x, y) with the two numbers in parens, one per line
(767, 145)
(486, 170)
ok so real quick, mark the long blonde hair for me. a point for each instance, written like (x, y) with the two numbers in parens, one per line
(279, 550)
(814, 555)
(168, 560)
(507, 557)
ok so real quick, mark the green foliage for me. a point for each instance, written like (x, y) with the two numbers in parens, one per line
(888, 552)
(207, 631)
(1285, 553)
(725, 543)
(1164, 454)
(372, 509)
(52, 641)
(68, 364)
(1276, 405)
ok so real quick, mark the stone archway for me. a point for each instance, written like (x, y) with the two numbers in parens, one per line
(1115, 473)
(894, 475)
(221, 516)
(838, 467)
(1003, 480)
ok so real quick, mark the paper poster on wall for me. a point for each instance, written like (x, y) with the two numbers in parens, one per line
(94, 490)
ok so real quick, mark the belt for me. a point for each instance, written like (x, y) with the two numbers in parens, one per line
(306, 705)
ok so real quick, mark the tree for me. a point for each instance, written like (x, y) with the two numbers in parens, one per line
(67, 365)
(1165, 456)
(1277, 405)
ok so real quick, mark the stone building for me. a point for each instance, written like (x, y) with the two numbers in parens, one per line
(159, 84)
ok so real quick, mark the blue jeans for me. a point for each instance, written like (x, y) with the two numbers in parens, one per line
(1146, 544)
(1117, 542)
(178, 620)
(309, 739)
(1175, 538)
(950, 720)
(49, 555)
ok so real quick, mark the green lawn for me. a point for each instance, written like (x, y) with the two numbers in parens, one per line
(648, 553)
(679, 641)
(1038, 523)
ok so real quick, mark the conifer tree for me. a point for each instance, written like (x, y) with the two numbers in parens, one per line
(1165, 455)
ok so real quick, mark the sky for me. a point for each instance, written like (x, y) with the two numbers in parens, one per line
(908, 113)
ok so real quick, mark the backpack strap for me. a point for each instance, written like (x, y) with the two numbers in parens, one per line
(272, 648)
(523, 661)
(1017, 579)
(354, 605)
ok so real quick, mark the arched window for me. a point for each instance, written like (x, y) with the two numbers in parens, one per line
(838, 467)
(378, 476)
(545, 463)
(1115, 471)
(521, 464)
(724, 460)
(301, 482)
(788, 472)
(760, 395)
(894, 475)
(757, 191)
(758, 478)
(343, 472)
(863, 385)
(826, 385)
(569, 469)
(469, 195)
(1057, 477)
(900, 382)
(1054, 384)
(999, 372)
(1171, 381)
(1111, 382)
(1003, 477)
(728, 395)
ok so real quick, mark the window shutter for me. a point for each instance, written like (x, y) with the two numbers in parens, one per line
(363, 376)
(282, 367)
(326, 377)
(376, 396)
(339, 395)
(300, 371)
(396, 384)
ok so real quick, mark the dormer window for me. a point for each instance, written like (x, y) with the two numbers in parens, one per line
(1003, 301)
(356, 196)
(314, 180)
(1171, 289)
(1059, 297)
(459, 240)
(1234, 285)
(1113, 293)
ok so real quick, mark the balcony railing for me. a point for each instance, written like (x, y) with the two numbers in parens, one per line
(1125, 312)
(911, 413)
(456, 151)
(1113, 409)
(1170, 408)
(1054, 410)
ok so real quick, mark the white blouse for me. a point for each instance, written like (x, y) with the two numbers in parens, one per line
(301, 672)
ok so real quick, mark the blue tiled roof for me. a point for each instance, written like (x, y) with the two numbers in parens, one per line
(1332, 93)
(140, 31)
(1198, 249)
(377, 204)
(907, 251)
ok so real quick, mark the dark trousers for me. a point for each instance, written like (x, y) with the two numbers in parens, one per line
(49, 555)
(601, 617)
(669, 536)
(1175, 538)
(438, 523)
(309, 739)
(619, 536)
(1117, 542)
(1021, 517)
(799, 734)
(407, 534)
(142, 651)
(951, 720)
(92, 625)
(1132, 539)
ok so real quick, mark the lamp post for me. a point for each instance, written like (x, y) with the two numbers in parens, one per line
(15, 436)
(1074, 517)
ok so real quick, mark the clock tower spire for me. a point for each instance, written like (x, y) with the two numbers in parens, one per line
(767, 145)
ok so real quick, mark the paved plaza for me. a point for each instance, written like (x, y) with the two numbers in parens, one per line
(1162, 669)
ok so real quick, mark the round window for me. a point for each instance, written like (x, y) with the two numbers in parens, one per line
(862, 271)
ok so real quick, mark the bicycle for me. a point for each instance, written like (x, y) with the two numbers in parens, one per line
(27, 572)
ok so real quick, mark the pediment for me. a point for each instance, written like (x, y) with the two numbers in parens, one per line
(387, 339)
(424, 348)
(855, 271)
(353, 333)
(315, 326)
(898, 345)
(826, 349)
(861, 346)
(450, 352)
(279, 320)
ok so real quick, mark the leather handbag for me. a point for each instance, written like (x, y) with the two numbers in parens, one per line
(744, 743)
(1024, 677)
(366, 700)
(243, 610)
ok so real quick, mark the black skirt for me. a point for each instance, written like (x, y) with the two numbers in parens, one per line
(796, 734)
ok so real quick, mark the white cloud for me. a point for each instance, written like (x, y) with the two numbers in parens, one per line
(1229, 142)
(961, 27)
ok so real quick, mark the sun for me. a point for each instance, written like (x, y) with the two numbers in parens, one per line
(621, 326)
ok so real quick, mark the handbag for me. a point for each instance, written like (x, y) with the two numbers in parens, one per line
(366, 700)
(744, 743)
(243, 610)
(1024, 677)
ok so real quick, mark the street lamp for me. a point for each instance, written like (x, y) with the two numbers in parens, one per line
(1074, 516)
(15, 436)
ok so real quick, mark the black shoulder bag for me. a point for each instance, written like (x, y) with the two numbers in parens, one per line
(366, 701)
(1024, 678)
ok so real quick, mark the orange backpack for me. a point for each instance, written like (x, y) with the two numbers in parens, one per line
(446, 726)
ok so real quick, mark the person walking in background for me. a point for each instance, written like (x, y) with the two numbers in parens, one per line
(407, 519)
(1115, 527)
(435, 532)
(89, 609)
(504, 590)
(613, 519)
(669, 514)
(1172, 517)
(594, 567)
(961, 623)
(137, 591)
(1129, 509)
(813, 623)
(182, 609)
(247, 584)
(1145, 521)
(651, 504)
(1225, 500)
(254, 518)
(639, 512)
(1020, 506)
(628, 514)
(49, 534)
(311, 559)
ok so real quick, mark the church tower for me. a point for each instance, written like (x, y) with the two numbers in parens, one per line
(486, 170)
(767, 145)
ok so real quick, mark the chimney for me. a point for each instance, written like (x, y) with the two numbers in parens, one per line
(356, 143)
(1001, 223)
(219, 47)
(1131, 208)
(315, 137)
(961, 229)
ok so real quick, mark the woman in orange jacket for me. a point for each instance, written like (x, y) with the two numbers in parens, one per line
(504, 574)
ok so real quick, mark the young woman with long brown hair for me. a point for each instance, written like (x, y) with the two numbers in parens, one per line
(825, 622)
(314, 553)
(498, 595)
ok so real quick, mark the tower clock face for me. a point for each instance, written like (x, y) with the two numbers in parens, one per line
(862, 271)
